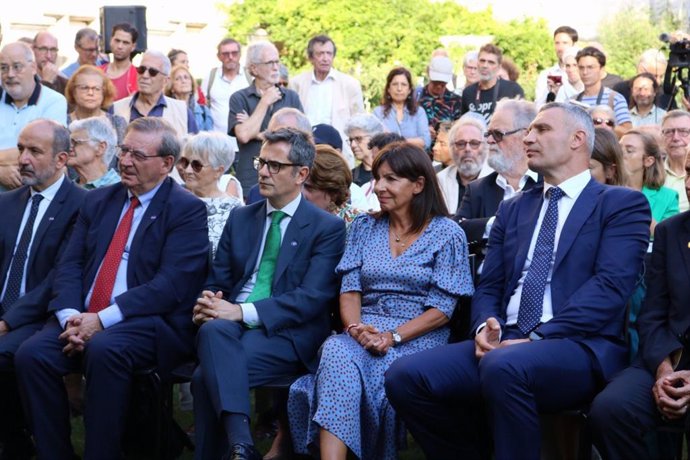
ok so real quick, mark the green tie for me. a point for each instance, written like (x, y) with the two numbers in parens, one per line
(267, 266)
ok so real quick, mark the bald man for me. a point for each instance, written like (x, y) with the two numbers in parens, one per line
(46, 54)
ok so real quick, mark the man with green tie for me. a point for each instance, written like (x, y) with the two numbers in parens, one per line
(265, 309)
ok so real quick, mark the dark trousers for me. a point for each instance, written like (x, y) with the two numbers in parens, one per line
(108, 361)
(623, 414)
(232, 360)
(439, 393)
(12, 421)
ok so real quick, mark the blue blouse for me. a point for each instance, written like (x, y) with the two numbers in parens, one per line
(416, 125)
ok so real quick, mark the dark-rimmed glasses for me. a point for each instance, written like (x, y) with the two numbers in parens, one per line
(137, 155)
(474, 144)
(152, 72)
(498, 135)
(274, 167)
(184, 163)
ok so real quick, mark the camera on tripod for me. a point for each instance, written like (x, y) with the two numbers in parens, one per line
(678, 68)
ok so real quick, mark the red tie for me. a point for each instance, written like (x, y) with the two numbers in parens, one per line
(105, 281)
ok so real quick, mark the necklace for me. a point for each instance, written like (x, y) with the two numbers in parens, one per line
(398, 238)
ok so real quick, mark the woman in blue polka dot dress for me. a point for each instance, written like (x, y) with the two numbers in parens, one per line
(403, 271)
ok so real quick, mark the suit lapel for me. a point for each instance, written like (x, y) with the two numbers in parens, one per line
(49, 217)
(255, 234)
(528, 214)
(15, 216)
(291, 241)
(583, 208)
(108, 224)
(683, 240)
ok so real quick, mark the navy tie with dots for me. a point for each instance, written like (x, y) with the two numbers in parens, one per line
(532, 298)
(14, 281)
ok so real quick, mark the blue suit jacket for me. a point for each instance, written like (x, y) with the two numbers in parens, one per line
(598, 260)
(305, 286)
(664, 318)
(167, 263)
(48, 244)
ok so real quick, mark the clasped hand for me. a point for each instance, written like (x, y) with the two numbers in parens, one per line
(212, 306)
(672, 394)
(78, 330)
(369, 337)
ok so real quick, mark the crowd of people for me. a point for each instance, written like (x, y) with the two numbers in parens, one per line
(267, 227)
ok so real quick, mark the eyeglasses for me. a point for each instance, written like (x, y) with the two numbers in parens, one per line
(137, 155)
(74, 143)
(357, 139)
(16, 68)
(498, 135)
(669, 132)
(89, 89)
(184, 163)
(153, 72)
(270, 63)
(45, 49)
(474, 144)
(603, 121)
(88, 50)
(274, 167)
(226, 54)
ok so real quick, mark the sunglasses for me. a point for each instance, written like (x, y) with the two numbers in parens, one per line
(153, 72)
(603, 121)
(197, 166)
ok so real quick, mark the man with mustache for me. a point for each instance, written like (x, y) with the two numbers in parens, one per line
(507, 129)
(23, 99)
(37, 219)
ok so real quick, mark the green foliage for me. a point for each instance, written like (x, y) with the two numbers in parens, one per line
(625, 36)
(374, 36)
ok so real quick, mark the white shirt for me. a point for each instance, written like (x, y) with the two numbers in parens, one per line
(572, 188)
(250, 316)
(509, 192)
(112, 314)
(320, 105)
(48, 197)
(219, 96)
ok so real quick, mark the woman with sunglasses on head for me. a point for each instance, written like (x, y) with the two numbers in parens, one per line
(205, 157)
(89, 94)
(645, 169)
(182, 86)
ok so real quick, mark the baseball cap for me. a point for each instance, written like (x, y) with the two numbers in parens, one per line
(441, 69)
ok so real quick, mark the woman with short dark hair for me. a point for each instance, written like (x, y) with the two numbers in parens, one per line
(403, 270)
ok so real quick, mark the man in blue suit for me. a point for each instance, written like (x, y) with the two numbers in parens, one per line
(122, 297)
(266, 306)
(548, 313)
(37, 219)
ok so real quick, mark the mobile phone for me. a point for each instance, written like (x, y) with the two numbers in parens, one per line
(557, 79)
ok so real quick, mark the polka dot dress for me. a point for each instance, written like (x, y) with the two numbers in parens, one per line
(346, 395)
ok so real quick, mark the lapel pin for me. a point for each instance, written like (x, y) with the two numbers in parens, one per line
(294, 243)
(153, 217)
(53, 218)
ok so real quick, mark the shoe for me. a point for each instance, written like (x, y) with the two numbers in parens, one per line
(243, 451)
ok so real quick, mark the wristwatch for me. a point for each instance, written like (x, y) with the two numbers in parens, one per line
(397, 340)
(535, 336)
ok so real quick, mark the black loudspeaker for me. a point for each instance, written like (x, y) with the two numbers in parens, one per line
(134, 15)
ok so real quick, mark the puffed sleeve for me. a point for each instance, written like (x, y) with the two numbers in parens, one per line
(351, 263)
(451, 276)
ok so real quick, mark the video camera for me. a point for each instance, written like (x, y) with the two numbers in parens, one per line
(678, 68)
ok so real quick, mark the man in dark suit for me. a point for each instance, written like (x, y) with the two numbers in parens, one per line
(656, 388)
(122, 297)
(507, 157)
(548, 314)
(37, 218)
(265, 310)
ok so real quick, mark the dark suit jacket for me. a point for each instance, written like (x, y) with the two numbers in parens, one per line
(167, 263)
(48, 244)
(598, 260)
(305, 286)
(665, 317)
(479, 204)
